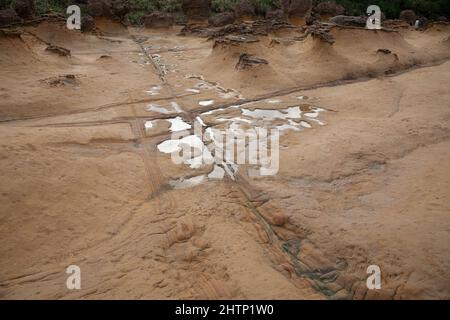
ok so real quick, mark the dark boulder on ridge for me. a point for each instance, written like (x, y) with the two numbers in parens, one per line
(25, 9)
(158, 20)
(197, 9)
(408, 16)
(8, 16)
(222, 19)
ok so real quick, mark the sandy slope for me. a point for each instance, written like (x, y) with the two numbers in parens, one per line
(83, 183)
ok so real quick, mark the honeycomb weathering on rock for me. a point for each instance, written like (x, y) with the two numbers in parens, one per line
(247, 61)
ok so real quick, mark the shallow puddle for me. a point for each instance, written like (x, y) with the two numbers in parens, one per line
(263, 114)
(154, 91)
(169, 146)
(223, 93)
(196, 159)
(200, 120)
(178, 124)
(218, 173)
(174, 106)
(148, 125)
(315, 113)
(206, 103)
(193, 151)
(157, 108)
(272, 114)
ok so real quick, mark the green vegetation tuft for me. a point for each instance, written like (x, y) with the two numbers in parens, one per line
(44, 6)
(223, 5)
